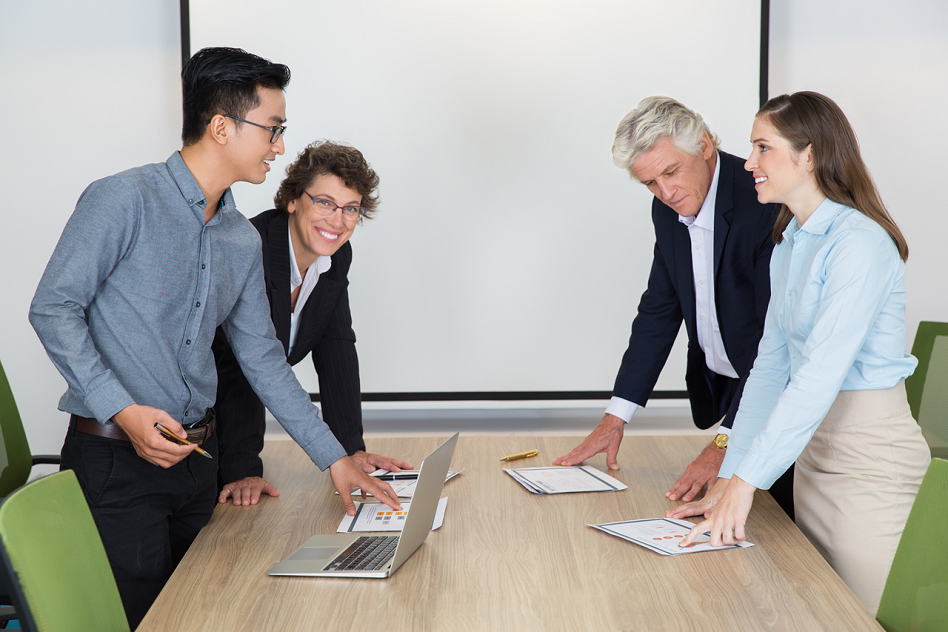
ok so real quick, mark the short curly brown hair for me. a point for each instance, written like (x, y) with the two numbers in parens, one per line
(326, 157)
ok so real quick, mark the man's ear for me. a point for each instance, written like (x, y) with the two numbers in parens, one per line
(218, 129)
(707, 147)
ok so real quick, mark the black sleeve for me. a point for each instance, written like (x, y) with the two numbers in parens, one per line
(653, 334)
(337, 365)
(241, 418)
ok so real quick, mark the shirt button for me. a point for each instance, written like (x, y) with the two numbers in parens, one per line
(704, 317)
(188, 341)
(203, 266)
(198, 304)
(697, 247)
(701, 282)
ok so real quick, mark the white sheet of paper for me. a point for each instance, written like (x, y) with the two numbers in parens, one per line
(662, 535)
(404, 488)
(565, 480)
(377, 517)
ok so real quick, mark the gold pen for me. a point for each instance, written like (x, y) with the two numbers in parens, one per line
(521, 455)
(179, 440)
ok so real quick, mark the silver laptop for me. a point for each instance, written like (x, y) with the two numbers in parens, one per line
(372, 555)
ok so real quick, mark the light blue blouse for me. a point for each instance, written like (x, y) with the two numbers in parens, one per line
(835, 322)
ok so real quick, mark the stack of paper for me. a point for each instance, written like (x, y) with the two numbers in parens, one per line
(565, 480)
(662, 535)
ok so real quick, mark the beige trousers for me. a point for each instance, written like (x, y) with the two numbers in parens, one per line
(855, 483)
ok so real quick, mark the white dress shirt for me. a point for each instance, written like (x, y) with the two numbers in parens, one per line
(322, 264)
(701, 231)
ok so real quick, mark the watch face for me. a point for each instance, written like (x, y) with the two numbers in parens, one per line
(721, 441)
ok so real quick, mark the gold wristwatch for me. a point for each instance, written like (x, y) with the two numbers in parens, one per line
(721, 441)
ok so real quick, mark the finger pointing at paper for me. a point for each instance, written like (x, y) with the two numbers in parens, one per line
(726, 523)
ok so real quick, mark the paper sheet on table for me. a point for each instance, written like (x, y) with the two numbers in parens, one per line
(565, 480)
(662, 535)
(378, 517)
(404, 487)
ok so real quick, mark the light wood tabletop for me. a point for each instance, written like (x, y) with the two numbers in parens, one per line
(505, 559)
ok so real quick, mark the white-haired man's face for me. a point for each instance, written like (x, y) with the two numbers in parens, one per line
(675, 177)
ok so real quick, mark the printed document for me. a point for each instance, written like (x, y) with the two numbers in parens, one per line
(379, 517)
(565, 480)
(662, 535)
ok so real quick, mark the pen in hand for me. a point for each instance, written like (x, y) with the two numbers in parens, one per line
(173, 437)
(521, 455)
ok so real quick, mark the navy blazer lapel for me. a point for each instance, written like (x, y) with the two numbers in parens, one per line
(277, 267)
(723, 207)
(315, 315)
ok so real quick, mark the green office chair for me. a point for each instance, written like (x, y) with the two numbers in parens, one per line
(60, 575)
(916, 592)
(927, 388)
(16, 461)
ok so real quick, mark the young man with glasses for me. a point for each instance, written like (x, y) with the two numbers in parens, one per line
(151, 262)
(328, 191)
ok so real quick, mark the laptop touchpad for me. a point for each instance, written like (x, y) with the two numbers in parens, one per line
(315, 553)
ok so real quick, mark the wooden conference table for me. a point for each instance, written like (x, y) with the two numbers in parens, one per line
(505, 559)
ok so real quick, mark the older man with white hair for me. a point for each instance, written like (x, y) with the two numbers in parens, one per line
(711, 266)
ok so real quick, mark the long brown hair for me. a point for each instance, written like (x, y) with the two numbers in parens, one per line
(809, 118)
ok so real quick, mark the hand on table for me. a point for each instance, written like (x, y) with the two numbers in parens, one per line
(368, 462)
(138, 422)
(701, 507)
(702, 471)
(605, 437)
(346, 476)
(727, 519)
(247, 491)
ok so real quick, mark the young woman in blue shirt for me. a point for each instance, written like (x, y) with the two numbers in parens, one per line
(827, 388)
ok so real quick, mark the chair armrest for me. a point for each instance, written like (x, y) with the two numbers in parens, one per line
(46, 459)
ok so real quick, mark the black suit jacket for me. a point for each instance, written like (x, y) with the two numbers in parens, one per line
(325, 329)
(742, 246)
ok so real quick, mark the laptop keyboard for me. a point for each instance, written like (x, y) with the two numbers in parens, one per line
(368, 553)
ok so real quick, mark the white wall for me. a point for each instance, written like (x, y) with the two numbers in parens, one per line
(91, 88)
(886, 65)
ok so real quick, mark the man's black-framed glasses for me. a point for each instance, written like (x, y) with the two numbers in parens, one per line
(276, 131)
(326, 208)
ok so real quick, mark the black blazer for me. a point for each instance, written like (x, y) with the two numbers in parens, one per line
(325, 329)
(742, 246)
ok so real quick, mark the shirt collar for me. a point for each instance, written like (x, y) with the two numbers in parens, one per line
(819, 222)
(705, 216)
(322, 264)
(192, 191)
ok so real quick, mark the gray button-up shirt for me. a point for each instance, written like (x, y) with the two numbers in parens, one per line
(132, 295)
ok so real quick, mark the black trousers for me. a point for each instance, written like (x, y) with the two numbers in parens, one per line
(147, 515)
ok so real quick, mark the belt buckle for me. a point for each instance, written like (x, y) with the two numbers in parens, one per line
(200, 430)
(197, 435)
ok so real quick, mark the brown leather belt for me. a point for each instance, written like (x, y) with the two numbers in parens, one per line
(111, 430)
(87, 425)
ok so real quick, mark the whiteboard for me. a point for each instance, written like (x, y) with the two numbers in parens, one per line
(508, 253)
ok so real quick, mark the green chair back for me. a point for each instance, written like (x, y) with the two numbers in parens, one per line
(916, 592)
(52, 551)
(927, 388)
(15, 459)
